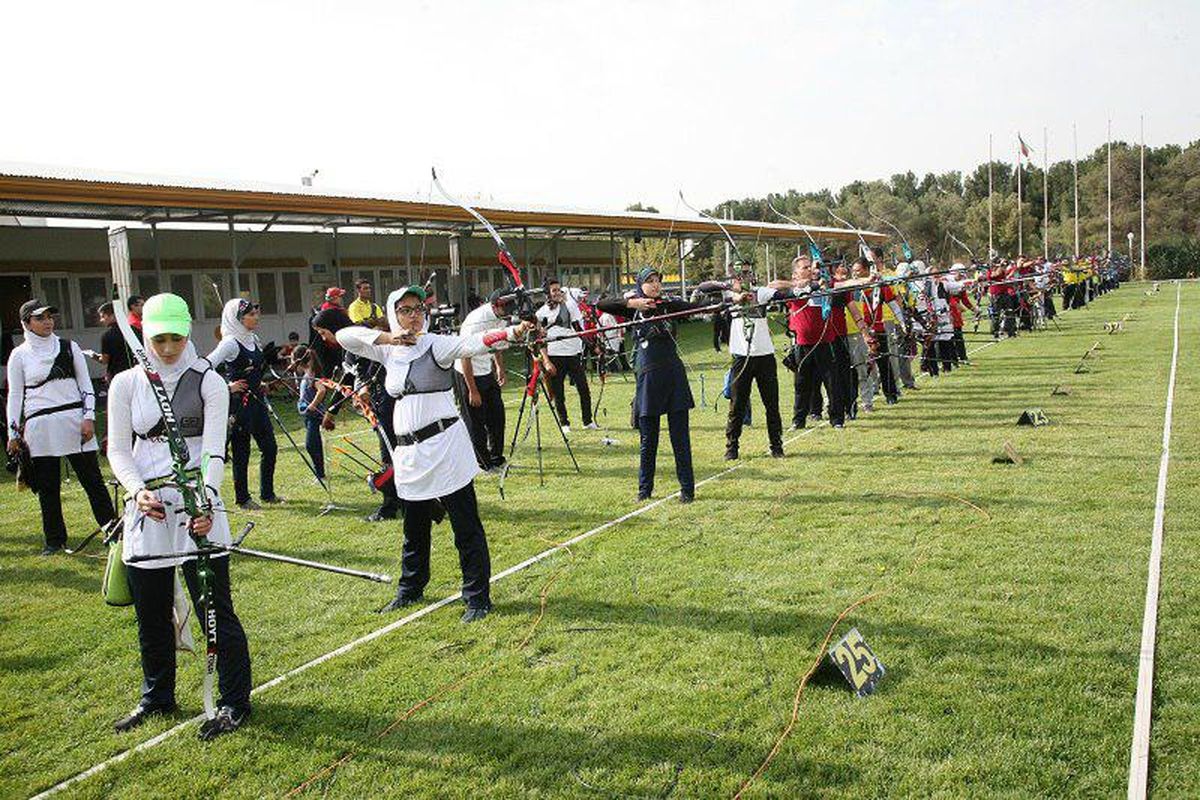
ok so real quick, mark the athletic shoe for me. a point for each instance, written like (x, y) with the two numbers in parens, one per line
(226, 721)
(891, 401)
(868, 407)
(643, 497)
(400, 601)
(566, 428)
(687, 498)
(274, 501)
(838, 425)
(475, 613)
(51, 550)
(731, 454)
(249, 505)
(592, 426)
(776, 452)
(378, 516)
(139, 715)
(796, 426)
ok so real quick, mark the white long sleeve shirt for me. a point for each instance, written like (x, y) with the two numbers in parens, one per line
(58, 433)
(445, 462)
(133, 409)
(560, 321)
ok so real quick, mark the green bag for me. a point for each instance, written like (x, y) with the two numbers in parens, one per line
(115, 587)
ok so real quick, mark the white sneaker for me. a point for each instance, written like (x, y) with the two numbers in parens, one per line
(592, 426)
(566, 428)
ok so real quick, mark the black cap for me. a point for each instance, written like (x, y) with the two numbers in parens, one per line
(31, 308)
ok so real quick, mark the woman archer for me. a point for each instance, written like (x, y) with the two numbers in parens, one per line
(52, 411)
(433, 461)
(156, 522)
(662, 384)
(240, 357)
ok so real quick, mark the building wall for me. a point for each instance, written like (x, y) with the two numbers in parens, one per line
(286, 271)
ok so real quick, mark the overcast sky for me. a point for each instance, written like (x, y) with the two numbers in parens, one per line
(585, 104)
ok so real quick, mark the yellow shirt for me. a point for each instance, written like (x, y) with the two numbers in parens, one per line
(360, 311)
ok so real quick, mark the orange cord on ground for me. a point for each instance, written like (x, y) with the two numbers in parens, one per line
(816, 664)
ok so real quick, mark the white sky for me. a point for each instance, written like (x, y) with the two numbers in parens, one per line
(593, 104)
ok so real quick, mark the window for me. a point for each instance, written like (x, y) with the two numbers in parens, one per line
(346, 280)
(181, 284)
(93, 293)
(57, 292)
(208, 295)
(147, 284)
(266, 297)
(293, 302)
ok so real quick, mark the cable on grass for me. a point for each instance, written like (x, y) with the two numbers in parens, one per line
(442, 690)
(816, 664)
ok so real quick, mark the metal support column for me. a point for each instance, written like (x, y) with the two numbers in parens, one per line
(158, 273)
(682, 270)
(407, 254)
(233, 261)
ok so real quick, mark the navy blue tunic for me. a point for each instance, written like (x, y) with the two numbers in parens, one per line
(662, 383)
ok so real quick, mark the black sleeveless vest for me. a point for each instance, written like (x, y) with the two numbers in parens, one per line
(188, 405)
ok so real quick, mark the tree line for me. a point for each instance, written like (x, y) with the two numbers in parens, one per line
(931, 209)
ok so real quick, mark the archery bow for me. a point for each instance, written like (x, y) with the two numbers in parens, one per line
(905, 248)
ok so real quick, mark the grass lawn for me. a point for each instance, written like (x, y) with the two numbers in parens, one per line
(661, 656)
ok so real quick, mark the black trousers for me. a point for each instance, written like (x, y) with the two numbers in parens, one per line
(252, 419)
(815, 361)
(960, 345)
(486, 423)
(48, 476)
(679, 429)
(469, 538)
(883, 360)
(944, 349)
(564, 367)
(837, 382)
(153, 593)
(763, 371)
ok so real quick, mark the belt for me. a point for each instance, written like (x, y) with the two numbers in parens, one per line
(428, 432)
(55, 409)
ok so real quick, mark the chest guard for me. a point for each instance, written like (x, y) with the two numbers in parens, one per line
(62, 368)
(188, 405)
(426, 376)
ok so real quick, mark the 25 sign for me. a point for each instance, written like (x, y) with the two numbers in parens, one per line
(857, 663)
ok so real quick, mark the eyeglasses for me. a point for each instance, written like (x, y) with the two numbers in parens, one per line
(410, 311)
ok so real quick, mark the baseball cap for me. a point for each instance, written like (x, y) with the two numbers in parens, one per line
(166, 313)
(334, 291)
(31, 308)
(414, 289)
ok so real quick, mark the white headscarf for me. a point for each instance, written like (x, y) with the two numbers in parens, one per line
(170, 372)
(401, 353)
(41, 346)
(232, 327)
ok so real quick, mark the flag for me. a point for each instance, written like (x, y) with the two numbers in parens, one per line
(1025, 149)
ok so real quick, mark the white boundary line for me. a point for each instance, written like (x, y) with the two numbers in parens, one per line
(1143, 707)
(413, 617)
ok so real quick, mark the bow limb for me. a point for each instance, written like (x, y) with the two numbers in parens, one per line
(504, 255)
(907, 249)
(866, 248)
(741, 259)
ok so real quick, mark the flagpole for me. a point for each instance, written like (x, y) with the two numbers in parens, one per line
(1045, 196)
(1142, 248)
(1110, 190)
(1075, 170)
(991, 249)
(1020, 222)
